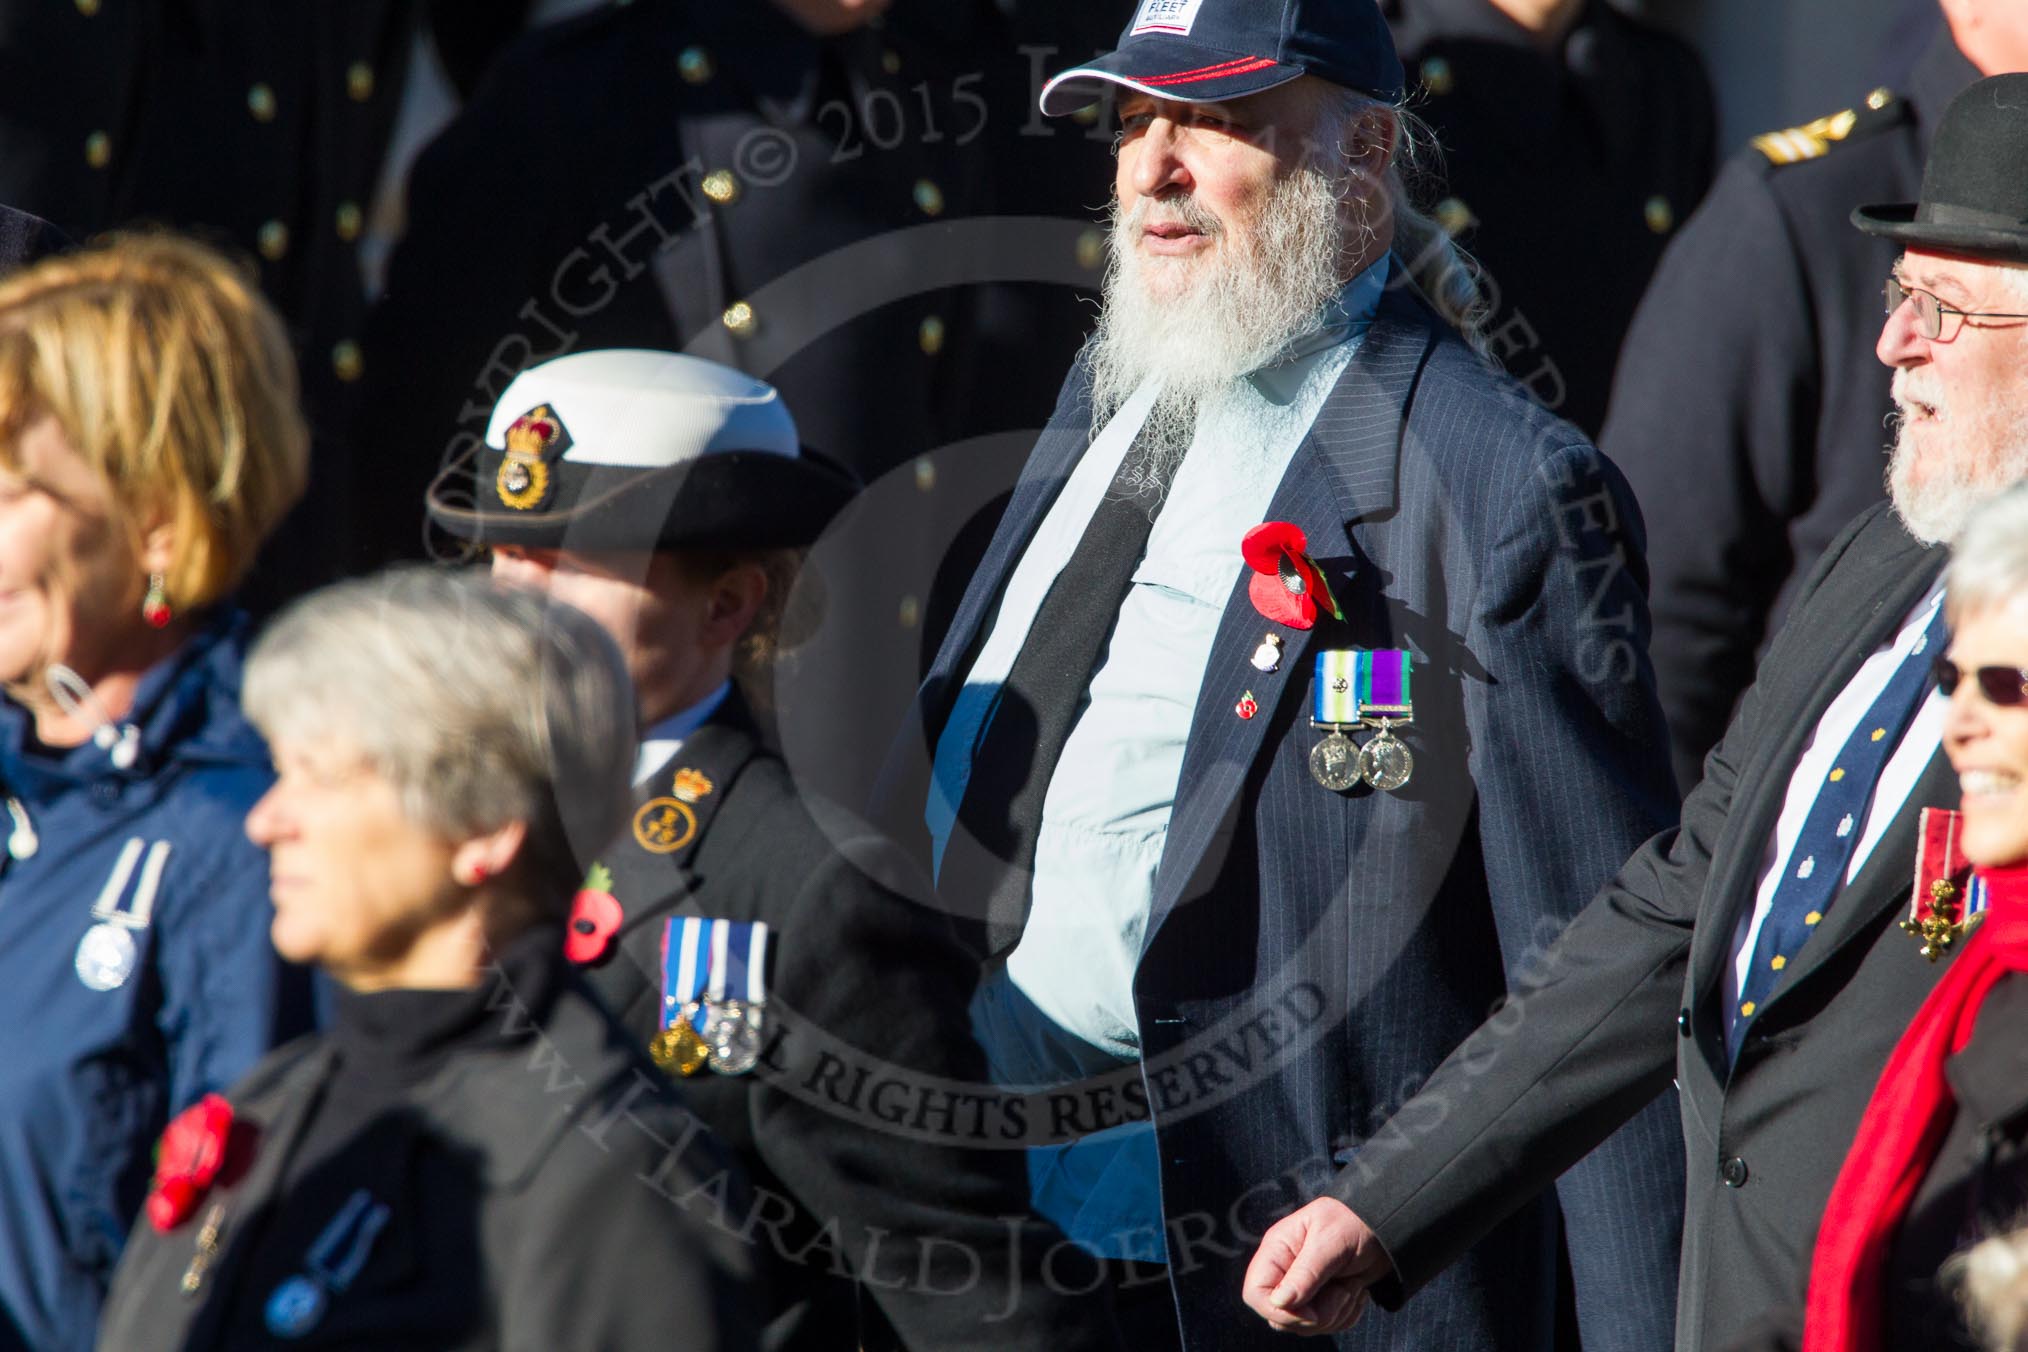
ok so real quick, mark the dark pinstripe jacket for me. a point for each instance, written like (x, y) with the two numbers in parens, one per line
(1312, 956)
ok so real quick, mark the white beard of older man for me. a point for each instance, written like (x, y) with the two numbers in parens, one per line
(1211, 274)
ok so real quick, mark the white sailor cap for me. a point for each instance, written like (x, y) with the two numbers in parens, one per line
(637, 449)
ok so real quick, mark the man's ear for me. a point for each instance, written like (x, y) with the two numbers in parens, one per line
(1369, 142)
(736, 597)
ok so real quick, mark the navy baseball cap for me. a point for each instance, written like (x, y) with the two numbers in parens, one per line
(1213, 51)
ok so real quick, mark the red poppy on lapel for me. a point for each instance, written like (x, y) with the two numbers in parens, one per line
(1287, 584)
(595, 916)
(188, 1160)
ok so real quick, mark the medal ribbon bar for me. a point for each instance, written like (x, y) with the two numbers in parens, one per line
(1383, 684)
(1335, 695)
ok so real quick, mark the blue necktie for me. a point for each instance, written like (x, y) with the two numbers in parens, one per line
(1816, 867)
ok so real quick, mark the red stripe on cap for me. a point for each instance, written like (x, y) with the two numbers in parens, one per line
(1223, 70)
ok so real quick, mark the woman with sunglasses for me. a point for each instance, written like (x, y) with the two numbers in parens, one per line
(1941, 1156)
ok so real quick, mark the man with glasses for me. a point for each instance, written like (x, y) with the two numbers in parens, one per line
(1765, 928)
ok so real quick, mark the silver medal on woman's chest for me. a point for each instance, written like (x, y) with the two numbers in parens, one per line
(106, 956)
(733, 1037)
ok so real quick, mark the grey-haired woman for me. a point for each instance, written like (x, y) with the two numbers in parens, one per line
(474, 1156)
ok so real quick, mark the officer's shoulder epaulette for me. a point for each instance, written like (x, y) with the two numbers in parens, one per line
(1883, 109)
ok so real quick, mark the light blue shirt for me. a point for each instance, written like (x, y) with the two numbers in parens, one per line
(1063, 1005)
(665, 738)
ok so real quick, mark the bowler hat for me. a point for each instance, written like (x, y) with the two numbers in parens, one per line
(1974, 197)
(1214, 51)
(629, 449)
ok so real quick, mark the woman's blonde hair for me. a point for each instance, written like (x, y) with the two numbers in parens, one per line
(172, 378)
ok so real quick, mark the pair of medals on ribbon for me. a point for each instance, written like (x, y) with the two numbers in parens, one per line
(341, 1248)
(1948, 898)
(1355, 690)
(109, 950)
(714, 995)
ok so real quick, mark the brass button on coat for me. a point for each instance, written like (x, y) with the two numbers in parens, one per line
(346, 361)
(721, 187)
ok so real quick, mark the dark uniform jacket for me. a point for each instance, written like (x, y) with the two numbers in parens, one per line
(544, 1190)
(1635, 985)
(260, 127)
(1567, 170)
(878, 1159)
(1311, 956)
(1749, 408)
(667, 161)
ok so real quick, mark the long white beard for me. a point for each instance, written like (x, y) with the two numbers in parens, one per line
(1978, 448)
(1197, 325)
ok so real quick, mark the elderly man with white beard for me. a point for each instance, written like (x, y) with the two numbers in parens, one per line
(1300, 699)
(1799, 917)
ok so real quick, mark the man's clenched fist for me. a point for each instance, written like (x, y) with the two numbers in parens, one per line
(1312, 1268)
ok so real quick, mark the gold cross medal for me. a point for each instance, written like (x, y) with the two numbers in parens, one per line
(1947, 899)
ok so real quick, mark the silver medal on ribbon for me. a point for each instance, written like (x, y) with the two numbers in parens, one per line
(106, 956)
(1385, 762)
(733, 1037)
(1335, 762)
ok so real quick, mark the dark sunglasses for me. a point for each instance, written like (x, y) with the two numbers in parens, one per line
(2004, 686)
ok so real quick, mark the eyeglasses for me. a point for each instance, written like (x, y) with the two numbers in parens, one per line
(2004, 686)
(1931, 313)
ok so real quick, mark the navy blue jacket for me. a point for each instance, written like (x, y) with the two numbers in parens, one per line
(88, 1077)
(1312, 956)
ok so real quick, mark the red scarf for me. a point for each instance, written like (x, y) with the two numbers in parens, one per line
(1904, 1127)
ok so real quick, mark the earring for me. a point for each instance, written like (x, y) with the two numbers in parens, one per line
(155, 605)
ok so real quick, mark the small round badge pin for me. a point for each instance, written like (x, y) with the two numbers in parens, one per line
(295, 1307)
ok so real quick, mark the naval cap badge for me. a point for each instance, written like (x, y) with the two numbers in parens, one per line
(534, 441)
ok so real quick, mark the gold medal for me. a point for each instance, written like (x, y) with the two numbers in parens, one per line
(678, 1049)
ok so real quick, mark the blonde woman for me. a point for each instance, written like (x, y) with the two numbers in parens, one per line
(149, 441)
